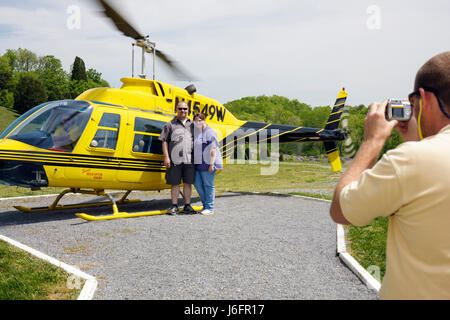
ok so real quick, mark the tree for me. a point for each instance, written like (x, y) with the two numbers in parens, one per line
(6, 99)
(6, 83)
(51, 73)
(6, 74)
(30, 92)
(79, 70)
(281, 110)
(77, 87)
(22, 60)
(96, 77)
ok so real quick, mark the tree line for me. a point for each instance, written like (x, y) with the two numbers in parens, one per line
(27, 80)
(281, 110)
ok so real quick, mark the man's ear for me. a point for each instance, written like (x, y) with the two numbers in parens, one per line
(427, 98)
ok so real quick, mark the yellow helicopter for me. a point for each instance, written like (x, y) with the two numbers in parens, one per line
(107, 138)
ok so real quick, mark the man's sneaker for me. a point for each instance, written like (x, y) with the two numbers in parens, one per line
(207, 212)
(173, 210)
(188, 209)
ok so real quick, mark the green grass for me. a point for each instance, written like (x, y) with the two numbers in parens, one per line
(7, 117)
(301, 178)
(24, 277)
(313, 195)
(368, 244)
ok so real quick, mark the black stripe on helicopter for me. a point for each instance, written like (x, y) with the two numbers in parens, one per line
(72, 160)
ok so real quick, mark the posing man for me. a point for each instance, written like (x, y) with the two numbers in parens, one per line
(177, 144)
(410, 184)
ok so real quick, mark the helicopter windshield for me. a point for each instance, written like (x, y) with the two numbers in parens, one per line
(55, 126)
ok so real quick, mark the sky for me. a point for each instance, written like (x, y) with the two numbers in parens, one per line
(304, 50)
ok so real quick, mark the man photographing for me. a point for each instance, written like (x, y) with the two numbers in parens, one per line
(410, 184)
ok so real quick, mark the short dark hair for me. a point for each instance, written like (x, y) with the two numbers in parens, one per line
(200, 115)
(435, 73)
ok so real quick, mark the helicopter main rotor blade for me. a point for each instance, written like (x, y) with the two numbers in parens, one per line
(142, 41)
(120, 22)
(174, 66)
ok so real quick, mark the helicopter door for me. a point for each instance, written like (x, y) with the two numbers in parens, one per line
(104, 146)
(144, 147)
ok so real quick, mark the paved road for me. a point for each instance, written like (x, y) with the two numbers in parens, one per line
(254, 247)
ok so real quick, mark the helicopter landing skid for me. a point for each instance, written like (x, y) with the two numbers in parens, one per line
(120, 215)
(55, 206)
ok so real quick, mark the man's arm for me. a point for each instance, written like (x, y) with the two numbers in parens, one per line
(376, 132)
(165, 150)
(165, 137)
(365, 159)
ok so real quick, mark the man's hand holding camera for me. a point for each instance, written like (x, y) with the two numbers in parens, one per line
(376, 128)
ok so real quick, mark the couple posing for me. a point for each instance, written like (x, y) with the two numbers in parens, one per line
(191, 155)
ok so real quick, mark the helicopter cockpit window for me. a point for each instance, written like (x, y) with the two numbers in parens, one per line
(108, 132)
(146, 132)
(56, 126)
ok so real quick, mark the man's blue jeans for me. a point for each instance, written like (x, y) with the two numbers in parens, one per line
(204, 184)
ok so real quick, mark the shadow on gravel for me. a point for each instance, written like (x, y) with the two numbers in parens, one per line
(16, 217)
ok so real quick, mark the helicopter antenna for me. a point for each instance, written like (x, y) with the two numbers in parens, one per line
(132, 60)
(154, 58)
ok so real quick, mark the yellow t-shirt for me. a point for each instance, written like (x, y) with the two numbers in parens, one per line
(411, 184)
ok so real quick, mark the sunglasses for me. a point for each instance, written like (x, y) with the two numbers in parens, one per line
(435, 92)
(182, 109)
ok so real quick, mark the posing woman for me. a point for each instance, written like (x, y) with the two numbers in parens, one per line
(207, 160)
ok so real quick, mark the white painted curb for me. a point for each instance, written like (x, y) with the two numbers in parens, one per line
(90, 285)
(362, 273)
(28, 197)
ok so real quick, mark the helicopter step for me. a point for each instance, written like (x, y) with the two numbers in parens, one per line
(55, 206)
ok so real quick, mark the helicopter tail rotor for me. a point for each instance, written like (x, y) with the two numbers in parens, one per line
(333, 124)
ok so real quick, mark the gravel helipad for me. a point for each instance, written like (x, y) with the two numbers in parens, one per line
(254, 247)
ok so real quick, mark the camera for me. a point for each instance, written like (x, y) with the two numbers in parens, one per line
(398, 110)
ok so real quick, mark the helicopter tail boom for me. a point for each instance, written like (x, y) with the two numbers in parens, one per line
(275, 133)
